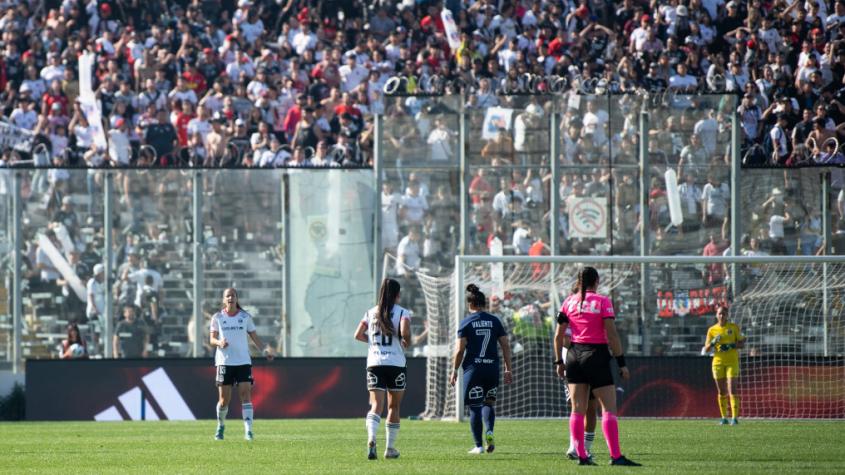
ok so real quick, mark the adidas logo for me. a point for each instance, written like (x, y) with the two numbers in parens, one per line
(159, 400)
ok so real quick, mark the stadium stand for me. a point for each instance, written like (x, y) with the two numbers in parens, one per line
(296, 83)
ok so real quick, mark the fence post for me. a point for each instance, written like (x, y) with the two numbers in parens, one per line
(554, 199)
(17, 276)
(198, 240)
(284, 337)
(463, 170)
(645, 321)
(378, 151)
(826, 231)
(108, 278)
(736, 213)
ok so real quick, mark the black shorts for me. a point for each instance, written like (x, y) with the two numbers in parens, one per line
(589, 364)
(480, 385)
(233, 375)
(569, 396)
(386, 378)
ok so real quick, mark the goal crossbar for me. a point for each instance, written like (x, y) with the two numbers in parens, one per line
(609, 260)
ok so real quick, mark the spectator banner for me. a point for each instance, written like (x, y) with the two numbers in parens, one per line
(496, 119)
(12, 136)
(183, 389)
(86, 68)
(695, 302)
(587, 217)
(62, 266)
(88, 101)
(452, 34)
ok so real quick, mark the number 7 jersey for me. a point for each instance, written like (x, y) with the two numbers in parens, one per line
(385, 350)
(482, 331)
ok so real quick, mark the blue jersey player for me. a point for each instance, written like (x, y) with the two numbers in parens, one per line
(476, 352)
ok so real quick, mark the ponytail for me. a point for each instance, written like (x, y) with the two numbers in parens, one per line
(386, 298)
(587, 277)
(475, 298)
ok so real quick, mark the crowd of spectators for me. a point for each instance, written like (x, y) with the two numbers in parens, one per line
(258, 83)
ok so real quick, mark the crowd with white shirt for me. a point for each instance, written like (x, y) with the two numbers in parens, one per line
(314, 72)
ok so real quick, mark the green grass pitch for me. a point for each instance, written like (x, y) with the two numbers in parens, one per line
(338, 446)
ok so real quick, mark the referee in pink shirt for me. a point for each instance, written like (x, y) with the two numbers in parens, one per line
(590, 316)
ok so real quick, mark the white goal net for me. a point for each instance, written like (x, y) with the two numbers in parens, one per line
(794, 361)
(791, 312)
(526, 297)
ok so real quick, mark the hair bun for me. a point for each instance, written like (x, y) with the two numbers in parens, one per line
(472, 288)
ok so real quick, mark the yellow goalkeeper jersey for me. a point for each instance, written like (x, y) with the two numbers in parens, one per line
(726, 335)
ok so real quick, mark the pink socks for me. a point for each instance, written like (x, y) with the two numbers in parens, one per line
(576, 434)
(610, 427)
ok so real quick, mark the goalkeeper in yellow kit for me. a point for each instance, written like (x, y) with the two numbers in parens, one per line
(724, 339)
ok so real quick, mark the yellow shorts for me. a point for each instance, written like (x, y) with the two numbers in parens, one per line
(722, 371)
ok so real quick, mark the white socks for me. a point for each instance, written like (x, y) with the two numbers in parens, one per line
(221, 415)
(372, 423)
(589, 437)
(392, 433)
(247, 413)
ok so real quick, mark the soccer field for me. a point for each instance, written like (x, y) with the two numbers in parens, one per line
(337, 446)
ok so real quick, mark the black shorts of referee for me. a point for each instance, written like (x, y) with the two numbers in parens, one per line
(589, 364)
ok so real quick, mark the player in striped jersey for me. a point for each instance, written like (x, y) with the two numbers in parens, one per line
(386, 328)
(476, 352)
(230, 328)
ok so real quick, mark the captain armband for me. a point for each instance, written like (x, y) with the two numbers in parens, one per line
(562, 318)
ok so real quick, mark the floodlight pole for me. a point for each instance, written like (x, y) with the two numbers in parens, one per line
(17, 275)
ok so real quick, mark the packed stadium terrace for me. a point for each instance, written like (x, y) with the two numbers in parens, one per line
(296, 83)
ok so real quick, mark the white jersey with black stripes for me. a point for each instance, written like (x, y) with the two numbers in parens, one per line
(385, 350)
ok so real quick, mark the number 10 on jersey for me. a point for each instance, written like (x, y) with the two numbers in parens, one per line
(379, 338)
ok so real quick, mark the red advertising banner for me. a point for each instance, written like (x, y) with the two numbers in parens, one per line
(695, 302)
(108, 390)
(183, 389)
(777, 386)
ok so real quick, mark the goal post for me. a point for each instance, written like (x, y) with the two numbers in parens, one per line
(789, 307)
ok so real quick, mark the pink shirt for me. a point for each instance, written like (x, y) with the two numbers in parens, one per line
(588, 324)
